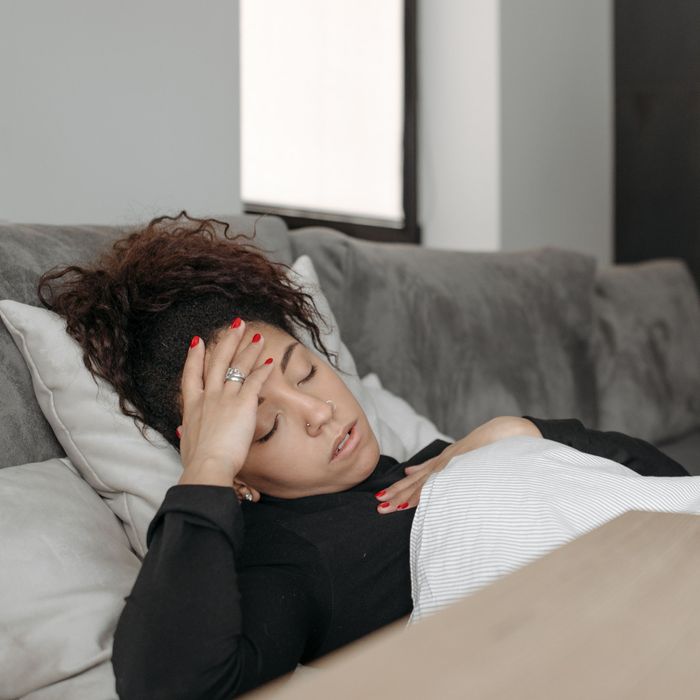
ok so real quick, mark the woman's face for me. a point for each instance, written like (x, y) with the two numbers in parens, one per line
(305, 412)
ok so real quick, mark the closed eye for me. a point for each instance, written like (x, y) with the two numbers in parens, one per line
(265, 438)
(309, 376)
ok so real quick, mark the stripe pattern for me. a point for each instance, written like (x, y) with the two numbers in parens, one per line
(493, 510)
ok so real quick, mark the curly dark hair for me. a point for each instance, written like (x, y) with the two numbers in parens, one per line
(136, 308)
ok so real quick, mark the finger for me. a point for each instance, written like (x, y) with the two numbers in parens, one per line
(221, 355)
(418, 467)
(257, 378)
(391, 492)
(245, 359)
(404, 500)
(191, 384)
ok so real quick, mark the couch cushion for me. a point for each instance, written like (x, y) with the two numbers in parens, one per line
(464, 336)
(647, 359)
(66, 568)
(26, 251)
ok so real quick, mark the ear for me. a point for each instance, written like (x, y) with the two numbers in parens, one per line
(241, 489)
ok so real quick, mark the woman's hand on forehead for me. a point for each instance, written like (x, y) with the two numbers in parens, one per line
(219, 414)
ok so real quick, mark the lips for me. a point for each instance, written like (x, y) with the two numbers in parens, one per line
(350, 442)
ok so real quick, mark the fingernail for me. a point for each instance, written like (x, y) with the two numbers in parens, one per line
(194, 341)
(379, 494)
(236, 322)
(401, 506)
(268, 361)
(256, 338)
(385, 504)
(178, 432)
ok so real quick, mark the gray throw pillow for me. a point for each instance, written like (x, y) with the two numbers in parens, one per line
(464, 337)
(647, 358)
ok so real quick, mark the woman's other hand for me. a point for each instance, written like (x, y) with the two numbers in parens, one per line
(218, 416)
(405, 493)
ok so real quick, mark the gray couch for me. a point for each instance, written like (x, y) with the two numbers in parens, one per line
(461, 336)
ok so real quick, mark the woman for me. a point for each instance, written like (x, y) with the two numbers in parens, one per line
(287, 535)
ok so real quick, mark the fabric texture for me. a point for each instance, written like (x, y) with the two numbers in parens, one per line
(464, 337)
(495, 509)
(26, 251)
(66, 568)
(133, 474)
(685, 450)
(647, 340)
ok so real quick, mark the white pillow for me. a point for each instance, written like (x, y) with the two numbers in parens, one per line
(106, 447)
(66, 567)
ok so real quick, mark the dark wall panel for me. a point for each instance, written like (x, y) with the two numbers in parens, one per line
(657, 125)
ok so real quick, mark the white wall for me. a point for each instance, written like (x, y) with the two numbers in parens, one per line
(112, 112)
(458, 122)
(516, 124)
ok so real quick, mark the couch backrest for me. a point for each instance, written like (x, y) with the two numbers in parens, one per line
(464, 336)
(26, 251)
(647, 349)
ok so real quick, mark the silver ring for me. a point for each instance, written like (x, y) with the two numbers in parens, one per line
(248, 496)
(233, 374)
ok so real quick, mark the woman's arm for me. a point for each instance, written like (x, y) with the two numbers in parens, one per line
(636, 454)
(193, 626)
(197, 624)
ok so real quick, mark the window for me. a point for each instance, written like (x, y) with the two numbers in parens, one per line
(328, 114)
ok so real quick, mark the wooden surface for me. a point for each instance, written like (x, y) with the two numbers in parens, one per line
(613, 614)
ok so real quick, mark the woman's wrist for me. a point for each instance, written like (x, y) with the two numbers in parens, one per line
(207, 473)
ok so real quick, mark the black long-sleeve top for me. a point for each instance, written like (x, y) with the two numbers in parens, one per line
(232, 595)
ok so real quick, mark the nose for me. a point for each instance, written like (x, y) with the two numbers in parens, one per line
(317, 413)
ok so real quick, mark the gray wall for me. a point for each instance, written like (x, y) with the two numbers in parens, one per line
(516, 124)
(115, 111)
(557, 125)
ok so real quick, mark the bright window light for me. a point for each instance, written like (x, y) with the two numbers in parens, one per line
(322, 100)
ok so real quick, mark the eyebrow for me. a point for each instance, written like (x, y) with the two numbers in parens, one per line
(285, 361)
(287, 355)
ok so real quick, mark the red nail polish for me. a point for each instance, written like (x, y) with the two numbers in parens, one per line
(384, 505)
(379, 494)
(256, 338)
(194, 341)
(268, 361)
(236, 322)
(401, 506)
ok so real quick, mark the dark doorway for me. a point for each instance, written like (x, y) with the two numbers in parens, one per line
(657, 127)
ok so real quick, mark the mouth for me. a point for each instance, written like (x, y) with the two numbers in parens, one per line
(345, 442)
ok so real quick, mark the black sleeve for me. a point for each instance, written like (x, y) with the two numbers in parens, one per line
(192, 626)
(638, 455)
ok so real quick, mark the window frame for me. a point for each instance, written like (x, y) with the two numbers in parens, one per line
(368, 229)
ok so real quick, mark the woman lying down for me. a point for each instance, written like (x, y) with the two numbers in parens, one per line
(289, 534)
